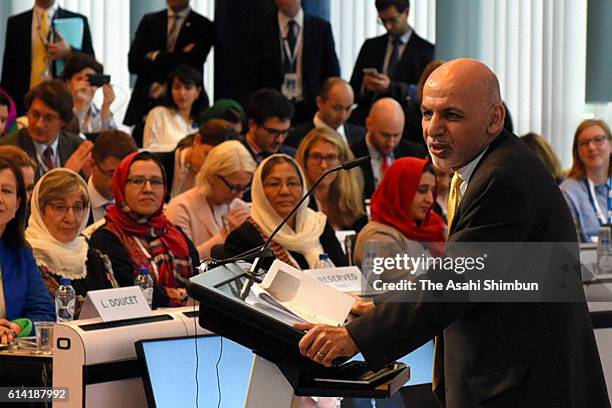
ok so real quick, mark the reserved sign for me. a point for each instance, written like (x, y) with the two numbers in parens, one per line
(115, 304)
(347, 279)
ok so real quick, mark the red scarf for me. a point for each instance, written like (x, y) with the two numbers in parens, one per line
(393, 198)
(156, 226)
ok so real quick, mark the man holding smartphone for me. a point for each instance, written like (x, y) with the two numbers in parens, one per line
(389, 65)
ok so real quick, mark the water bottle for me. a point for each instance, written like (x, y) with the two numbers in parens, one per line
(145, 281)
(604, 254)
(65, 298)
(323, 262)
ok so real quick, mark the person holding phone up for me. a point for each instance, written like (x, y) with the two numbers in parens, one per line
(389, 65)
(83, 75)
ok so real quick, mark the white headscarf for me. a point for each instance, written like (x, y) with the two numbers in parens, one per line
(66, 260)
(309, 224)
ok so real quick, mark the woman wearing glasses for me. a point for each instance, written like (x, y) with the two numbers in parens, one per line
(339, 194)
(210, 211)
(278, 185)
(138, 235)
(588, 183)
(59, 213)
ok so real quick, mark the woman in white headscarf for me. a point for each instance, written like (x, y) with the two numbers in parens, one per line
(278, 185)
(59, 213)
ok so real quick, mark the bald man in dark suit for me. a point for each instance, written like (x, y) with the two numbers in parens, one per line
(490, 354)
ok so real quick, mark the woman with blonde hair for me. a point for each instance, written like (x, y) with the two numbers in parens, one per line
(213, 208)
(339, 194)
(588, 183)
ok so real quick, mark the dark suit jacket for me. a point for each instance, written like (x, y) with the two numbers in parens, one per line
(501, 354)
(417, 54)
(353, 133)
(247, 237)
(17, 62)
(288, 150)
(151, 35)
(404, 149)
(68, 143)
(319, 60)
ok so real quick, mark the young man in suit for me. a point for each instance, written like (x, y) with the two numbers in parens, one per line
(269, 115)
(294, 53)
(44, 140)
(32, 46)
(163, 41)
(383, 143)
(389, 65)
(498, 354)
(335, 103)
(110, 148)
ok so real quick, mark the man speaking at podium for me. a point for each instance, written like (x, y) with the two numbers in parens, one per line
(492, 354)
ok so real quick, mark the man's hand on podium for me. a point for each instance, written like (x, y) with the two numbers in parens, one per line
(323, 343)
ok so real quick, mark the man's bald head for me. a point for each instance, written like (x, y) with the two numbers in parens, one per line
(467, 76)
(385, 124)
(462, 111)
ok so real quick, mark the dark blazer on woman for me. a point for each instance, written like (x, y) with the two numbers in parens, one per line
(17, 63)
(501, 355)
(247, 237)
(25, 294)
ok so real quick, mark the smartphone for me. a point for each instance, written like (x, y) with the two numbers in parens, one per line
(370, 71)
(98, 79)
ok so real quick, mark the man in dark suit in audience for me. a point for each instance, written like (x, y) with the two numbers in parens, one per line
(335, 103)
(383, 143)
(488, 354)
(32, 46)
(389, 65)
(110, 147)
(49, 110)
(163, 41)
(269, 115)
(294, 53)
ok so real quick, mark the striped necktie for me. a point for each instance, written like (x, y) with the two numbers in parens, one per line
(172, 32)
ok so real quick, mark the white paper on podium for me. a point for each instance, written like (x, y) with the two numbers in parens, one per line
(313, 301)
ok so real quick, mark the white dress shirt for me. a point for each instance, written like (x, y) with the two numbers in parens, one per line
(318, 123)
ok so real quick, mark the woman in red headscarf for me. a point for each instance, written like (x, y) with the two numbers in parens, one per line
(402, 219)
(138, 235)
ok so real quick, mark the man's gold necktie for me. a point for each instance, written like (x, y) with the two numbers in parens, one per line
(39, 51)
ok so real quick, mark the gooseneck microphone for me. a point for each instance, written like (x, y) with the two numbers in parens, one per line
(253, 273)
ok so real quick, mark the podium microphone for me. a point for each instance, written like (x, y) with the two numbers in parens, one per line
(252, 275)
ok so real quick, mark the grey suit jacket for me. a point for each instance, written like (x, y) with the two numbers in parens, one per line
(68, 143)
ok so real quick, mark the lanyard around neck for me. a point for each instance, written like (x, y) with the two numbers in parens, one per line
(604, 218)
